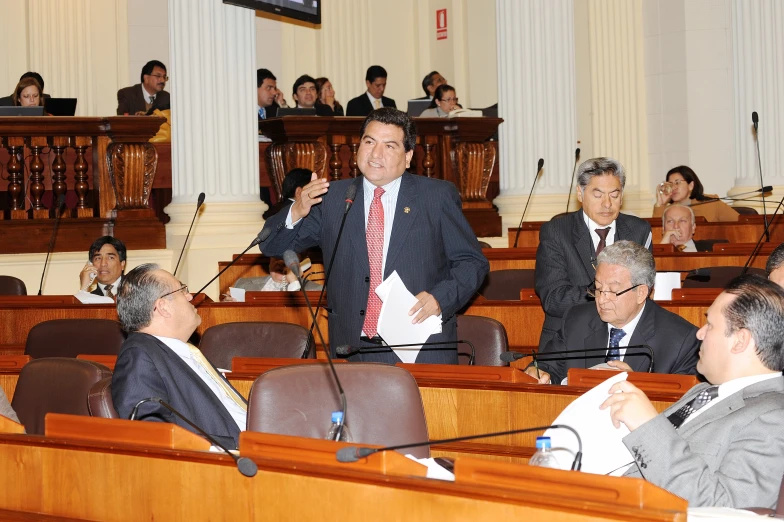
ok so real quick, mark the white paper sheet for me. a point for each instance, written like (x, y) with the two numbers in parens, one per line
(88, 298)
(666, 282)
(238, 294)
(394, 323)
(723, 514)
(434, 470)
(603, 449)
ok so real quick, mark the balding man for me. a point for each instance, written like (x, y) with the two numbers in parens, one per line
(721, 444)
(156, 359)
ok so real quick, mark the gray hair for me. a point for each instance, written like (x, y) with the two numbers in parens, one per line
(633, 257)
(597, 167)
(664, 215)
(136, 296)
(775, 260)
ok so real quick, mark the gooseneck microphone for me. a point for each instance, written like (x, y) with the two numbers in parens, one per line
(246, 466)
(763, 190)
(292, 262)
(346, 350)
(58, 213)
(765, 233)
(198, 206)
(351, 194)
(755, 121)
(568, 355)
(520, 226)
(574, 171)
(262, 237)
(354, 453)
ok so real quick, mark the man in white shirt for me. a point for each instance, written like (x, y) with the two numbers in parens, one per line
(678, 226)
(373, 98)
(156, 360)
(721, 444)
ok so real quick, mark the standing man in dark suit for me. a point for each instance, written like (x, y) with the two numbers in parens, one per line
(105, 266)
(568, 245)
(156, 360)
(622, 316)
(721, 444)
(139, 99)
(400, 222)
(373, 98)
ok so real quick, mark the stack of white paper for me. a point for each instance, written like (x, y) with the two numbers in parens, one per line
(88, 298)
(666, 282)
(395, 325)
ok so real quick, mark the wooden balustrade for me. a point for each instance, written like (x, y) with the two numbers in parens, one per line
(55, 152)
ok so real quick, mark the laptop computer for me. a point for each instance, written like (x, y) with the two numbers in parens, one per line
(22, 111)
(60, 106)
(417, 107)
(296, 111)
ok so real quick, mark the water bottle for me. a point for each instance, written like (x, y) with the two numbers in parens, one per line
(337, 420)
(544, 457)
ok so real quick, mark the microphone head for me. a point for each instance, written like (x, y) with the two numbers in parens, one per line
(262, 237)
(508, 357)
(292, 261)
(754, 118)
(247, 467)
(351, 193)
(201, 200)
(577, 154)
(343, 349)
(540, 165)
(767, 188)
(347, 454)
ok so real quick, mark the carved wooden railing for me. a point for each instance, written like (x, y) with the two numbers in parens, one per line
(106, 163)
(456, 150)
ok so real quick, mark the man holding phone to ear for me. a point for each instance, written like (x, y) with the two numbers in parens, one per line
(105, 267)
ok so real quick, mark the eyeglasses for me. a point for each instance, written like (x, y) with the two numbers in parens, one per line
(611, 296)
(449, 100)
(678, 182)
(183, 288)
(160, 77)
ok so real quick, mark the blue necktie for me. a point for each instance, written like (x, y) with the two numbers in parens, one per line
(614, 354)
(262, 114)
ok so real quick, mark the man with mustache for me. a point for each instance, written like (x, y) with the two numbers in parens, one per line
(143, 97)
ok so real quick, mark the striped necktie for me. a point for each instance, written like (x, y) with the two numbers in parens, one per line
(230, 392)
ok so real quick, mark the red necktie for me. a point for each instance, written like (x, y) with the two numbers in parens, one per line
(375, 245)
(602, 233)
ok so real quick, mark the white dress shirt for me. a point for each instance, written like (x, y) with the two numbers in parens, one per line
(690, 247)
(183, 352)
(374, 100)
(147, 96)
(730, 387)
(592, 226)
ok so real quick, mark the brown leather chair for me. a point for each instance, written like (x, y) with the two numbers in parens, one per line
(10, 285)
(748, 211)
(72, 337)
(717, 276)
(54, 385)
(505, 285)
(384, 404)
(221, 343)
(99, 400)
(488, 337)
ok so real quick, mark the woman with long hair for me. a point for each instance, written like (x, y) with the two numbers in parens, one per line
(327, 105)
(683, 187)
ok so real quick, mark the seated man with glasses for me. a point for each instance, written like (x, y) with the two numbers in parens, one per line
(156, 360)
(145, 97)
(622, 316)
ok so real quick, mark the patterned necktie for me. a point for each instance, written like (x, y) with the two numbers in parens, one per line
(202, 361)
(680, 248)
(613, 353)
(108, 291)
(262, 114)
(602, 239)
(375, 245)
(702, 398)
(152, 100)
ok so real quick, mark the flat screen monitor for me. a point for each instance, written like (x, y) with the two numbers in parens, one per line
(22, 111)
(305, 10)
(60, 106)
(417, 107)
(296, 111)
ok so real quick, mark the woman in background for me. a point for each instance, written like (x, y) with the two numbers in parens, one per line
(444, 102)
(28, 93)
(683, 187)
(327, 105)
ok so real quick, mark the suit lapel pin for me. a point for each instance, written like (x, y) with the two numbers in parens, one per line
(406, 210)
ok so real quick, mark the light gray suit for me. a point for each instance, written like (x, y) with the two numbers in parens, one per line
(731, 455)
(5, 407)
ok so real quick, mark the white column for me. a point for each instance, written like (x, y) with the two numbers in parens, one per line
(536, 98)
(759, 83)
(214, 135)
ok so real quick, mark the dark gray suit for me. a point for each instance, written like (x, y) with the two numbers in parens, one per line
(432, 247)
(672, 338)
(730, 455)
(565, 262)
(130, 100)
(146, 367)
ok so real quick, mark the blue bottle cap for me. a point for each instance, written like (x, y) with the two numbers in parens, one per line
(541, 442)
(337, 416)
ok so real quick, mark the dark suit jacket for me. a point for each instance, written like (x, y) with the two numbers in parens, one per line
(322, 109)
(361, 106)
(728, 456)
(432, 247)
(130, 100)
(565, 262)
(148, 368)
(672, 338)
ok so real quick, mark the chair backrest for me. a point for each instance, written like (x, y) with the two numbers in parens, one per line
(505, 285)
(221, 343)
(72, 337)
(10, 285)
(749, 211)
(488, 337)
(384, 404)
(99, 400)
(54, 385)
(716, 276)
